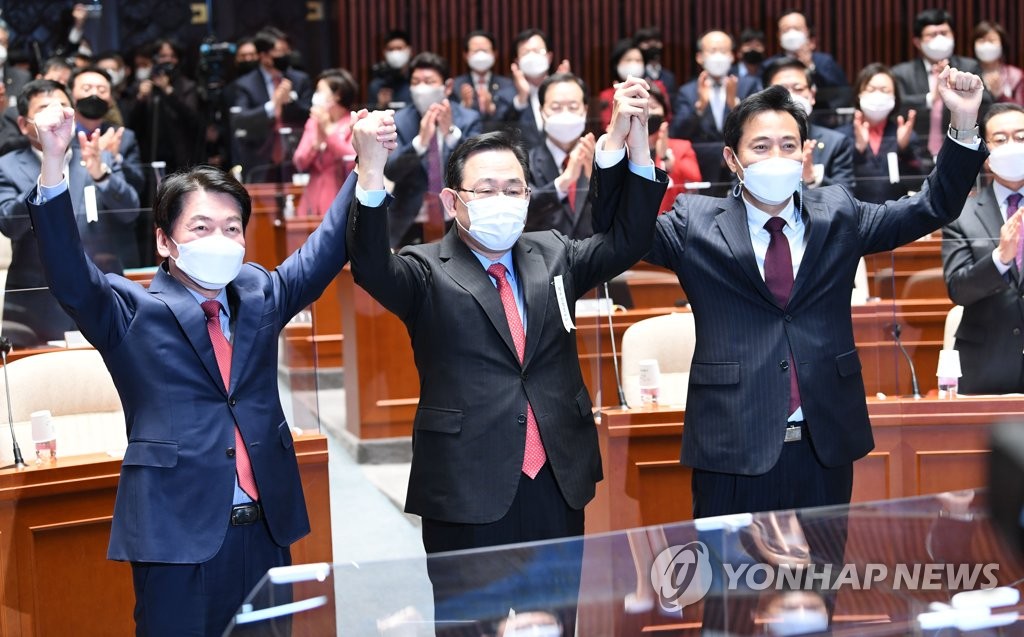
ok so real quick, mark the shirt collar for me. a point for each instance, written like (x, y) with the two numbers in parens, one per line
(756, 218)
(505, 260)
(222, 296)
(557, 153)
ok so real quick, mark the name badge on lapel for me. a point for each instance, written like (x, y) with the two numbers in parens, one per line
(92, 214)
(563, 304)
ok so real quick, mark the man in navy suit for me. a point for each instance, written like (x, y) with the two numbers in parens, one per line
(828, 155)
(429, 130)
(796, 36)
(107, 237)
(534, 57)
(702, 104)
(481, 89)
(982, 266)
(776, 413)
(209, 496)
(268, 100)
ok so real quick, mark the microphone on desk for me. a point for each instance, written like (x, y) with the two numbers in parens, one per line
(5, 347)
(896, 330)
(615, 354)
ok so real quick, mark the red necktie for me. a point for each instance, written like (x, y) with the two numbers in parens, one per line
(222, 350)
(778, 274)
(534, 455)
(571, 193)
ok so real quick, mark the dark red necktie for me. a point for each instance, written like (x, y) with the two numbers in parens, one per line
(778, 275)
(222, 350)
(534, 455)
(571, 193)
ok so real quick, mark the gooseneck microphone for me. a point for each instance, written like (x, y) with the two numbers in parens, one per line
(615, 354)
(5, 347)
(896, 330)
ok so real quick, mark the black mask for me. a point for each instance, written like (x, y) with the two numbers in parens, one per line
(247, 66)
(652, 54)
(282, 63)
(753, 57)
(92, 107)
(654, 123)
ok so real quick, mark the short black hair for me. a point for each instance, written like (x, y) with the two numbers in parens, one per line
(749, 34)
(864, 77)
(647, 33)
(38, 87)
(930, 18)
(88, 69)
(55, 62)
(428, 60)
(496, 140)
(397, 34)
(342, 84)
(998, 108)
(525, 35)
(558, 78)
(170, 196)
(773, 98)
(264, 41)
(782, 64)
(479, 33)
(618, 51)
(791, 10)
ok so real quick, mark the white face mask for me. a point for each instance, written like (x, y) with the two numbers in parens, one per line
(876, 106)
(636, 69)
(565, 127)
(143, 72)
(803, 102)
(481, 61)
(793, 40)
(772, 181)
(988, 51)
(116, 76)
(318, 99)
(3, 54)
(424, 95)
(534, 65)
(1007, 161)
(938, 48)
(496, 222)
(397, 58)
(718, 64)
(212, 261)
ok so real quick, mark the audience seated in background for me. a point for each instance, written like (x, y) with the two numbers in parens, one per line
(389, 78)
(108, 237)
(675, 156)
(828, 155)
(1004, 81)
(879, 134)
(982, 263)
(751, 52)
(534, 57)
(429, 129)
(626, 59)
(916, 79)
(325, 151)
(651, 45)
(796, 37)
(481, 89)
(561, 167)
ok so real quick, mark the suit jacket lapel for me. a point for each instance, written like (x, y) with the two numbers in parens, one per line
(533, 275)
(817, 228)
(465, 269)
(191, 319)
(249, 311)
(732, 221)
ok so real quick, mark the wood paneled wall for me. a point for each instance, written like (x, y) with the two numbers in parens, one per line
(855, 31)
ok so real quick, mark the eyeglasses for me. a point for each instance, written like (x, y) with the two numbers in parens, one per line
(999, 139)
(558, 107)
(517, 192)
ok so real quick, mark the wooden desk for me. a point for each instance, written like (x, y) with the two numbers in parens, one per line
(891, 274)
(54, 529)
(921, 446)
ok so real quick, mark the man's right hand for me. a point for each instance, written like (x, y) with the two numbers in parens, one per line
(373, 137)
(630, 102)
(55, 126)
(1009, 238)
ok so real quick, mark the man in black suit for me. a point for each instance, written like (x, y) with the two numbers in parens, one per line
(429, 130)
(916, 79)
(828, 155)
(650, 43)
(702, 104)
(776, 414)
(267, 101)
(982, 262)
(561, 167)
(534, 57)
(481, 89)
(504, 445)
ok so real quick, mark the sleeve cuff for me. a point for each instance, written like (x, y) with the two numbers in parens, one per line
(370, 198)
(268, 108)
(647, 172)
(975, 145)
(1003, 268)
(46, 193)
(607, 158)
(417, 145)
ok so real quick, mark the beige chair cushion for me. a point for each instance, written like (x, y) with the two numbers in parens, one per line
(669, 339)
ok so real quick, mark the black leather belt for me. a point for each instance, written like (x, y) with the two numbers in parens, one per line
(794, 431)
(243, 514)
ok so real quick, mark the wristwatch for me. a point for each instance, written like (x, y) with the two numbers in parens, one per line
(964, 134)
(106, 173)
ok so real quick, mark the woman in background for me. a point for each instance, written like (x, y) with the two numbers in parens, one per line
(626, 59)
(1004, 81)
(674, 156)
(325, 151)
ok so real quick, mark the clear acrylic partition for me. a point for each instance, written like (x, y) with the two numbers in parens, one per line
(890, 568)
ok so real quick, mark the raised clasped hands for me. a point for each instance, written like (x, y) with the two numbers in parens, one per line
(629, 120)
(374, 136)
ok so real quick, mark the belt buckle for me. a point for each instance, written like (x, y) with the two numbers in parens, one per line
(245, 514)
(793, 434)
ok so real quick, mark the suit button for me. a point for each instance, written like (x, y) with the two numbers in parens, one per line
(1016, 331)
(524, 375)
(784, 365)
(230, 453)
(233, 401)
(521, 419)
(789, 318)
